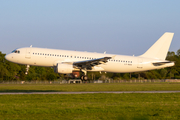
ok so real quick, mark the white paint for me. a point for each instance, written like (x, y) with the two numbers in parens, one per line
(117, 64)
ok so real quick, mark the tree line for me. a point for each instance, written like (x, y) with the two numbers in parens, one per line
(12, 71)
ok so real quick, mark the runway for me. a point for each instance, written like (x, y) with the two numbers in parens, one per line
(115, 92)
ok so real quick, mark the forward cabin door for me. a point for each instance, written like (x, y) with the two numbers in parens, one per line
(140, 63)
(28, 53)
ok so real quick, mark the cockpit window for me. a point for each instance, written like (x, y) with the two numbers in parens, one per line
(15, 51)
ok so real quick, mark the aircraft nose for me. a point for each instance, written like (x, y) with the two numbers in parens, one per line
(8, 57)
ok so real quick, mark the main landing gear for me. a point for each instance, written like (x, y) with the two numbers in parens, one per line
(84, 75)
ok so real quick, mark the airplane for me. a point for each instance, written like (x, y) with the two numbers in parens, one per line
(65, 61)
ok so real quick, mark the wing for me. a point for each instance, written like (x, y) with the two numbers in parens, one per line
(88, 64)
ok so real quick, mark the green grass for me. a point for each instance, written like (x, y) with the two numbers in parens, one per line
(89, 87)
(160, 106)
(137, 106)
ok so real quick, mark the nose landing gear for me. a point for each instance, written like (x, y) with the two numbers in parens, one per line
(27, 69)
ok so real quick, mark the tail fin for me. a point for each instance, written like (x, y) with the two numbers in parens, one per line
(160, 48)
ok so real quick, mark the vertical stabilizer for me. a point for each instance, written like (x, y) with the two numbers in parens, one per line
(160, 48)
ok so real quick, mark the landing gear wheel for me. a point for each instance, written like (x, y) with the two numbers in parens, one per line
(84, 78)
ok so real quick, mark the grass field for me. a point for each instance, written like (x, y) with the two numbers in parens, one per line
(135, 106)
(91, 107)
(89, 87)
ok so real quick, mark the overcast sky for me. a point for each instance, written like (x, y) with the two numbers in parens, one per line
(127, 27)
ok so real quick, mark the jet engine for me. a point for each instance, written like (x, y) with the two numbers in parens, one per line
(63, 68)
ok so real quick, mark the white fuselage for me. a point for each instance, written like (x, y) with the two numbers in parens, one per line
(50, 58)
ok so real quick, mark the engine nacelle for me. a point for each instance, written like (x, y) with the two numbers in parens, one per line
(63, 68)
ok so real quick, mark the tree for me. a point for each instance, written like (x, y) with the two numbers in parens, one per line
(178, 52)
(163, 73)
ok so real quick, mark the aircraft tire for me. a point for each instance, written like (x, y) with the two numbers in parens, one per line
(84, 78)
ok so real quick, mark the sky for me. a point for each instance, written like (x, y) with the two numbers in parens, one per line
(127, 27)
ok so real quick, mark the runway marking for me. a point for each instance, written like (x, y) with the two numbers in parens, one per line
(115, 92)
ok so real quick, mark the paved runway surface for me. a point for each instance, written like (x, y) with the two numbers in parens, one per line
(116, 92)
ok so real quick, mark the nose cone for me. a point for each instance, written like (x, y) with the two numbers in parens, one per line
(8, 57)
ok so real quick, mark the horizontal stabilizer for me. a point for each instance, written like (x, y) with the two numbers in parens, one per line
(162, 63)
